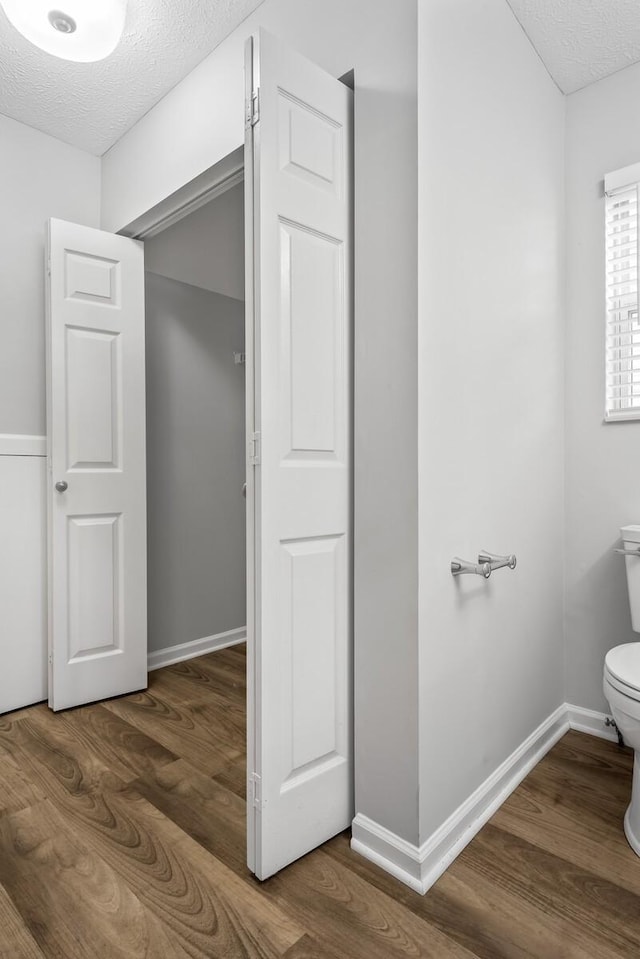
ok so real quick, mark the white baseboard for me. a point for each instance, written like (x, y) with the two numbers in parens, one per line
(420, 866)
(18, 444)
(387, 850)
(590, 721)
(197, 647)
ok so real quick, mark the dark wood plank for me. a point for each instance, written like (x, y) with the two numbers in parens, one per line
(494, 920)
(309, 948)
(181, 730)
(207, 811)
(353, 917)
(200, 901)
(217, 672)
(54, 758)
(193, 898)
(126, 750)
(234, 777)
(17, 791)
(604, 916)
(562, 823)
(459, 910)
(586, 751)
(7, 720)
(598, 769)
(71, 902)
(191, 682)
(16, 942)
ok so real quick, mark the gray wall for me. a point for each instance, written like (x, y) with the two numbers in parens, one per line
(40, 177)
(602, 460)
(491, 335)
(197, 124)
(195, 463)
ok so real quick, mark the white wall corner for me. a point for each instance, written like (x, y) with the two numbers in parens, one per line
(387, 850)
(197, 647)
(420, 866)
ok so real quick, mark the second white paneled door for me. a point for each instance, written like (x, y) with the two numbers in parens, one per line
(96, 465)
(298, 161)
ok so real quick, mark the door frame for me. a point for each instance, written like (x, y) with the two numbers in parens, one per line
(219, 178)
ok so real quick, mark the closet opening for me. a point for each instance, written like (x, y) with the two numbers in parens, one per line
(196, 451)
(196, 498)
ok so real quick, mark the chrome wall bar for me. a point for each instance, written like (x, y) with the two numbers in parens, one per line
(629, 552)
(461, 566)
(496, 561)
(487, 562)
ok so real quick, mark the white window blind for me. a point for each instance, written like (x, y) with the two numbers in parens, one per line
(623, 328)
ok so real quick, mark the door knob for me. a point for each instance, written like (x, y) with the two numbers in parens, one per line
(61, 486)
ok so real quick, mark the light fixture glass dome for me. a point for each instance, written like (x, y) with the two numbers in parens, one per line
(80, 30)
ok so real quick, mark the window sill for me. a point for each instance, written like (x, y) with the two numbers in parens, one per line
(632, 416)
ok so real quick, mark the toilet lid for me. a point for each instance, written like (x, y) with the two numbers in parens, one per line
(623, 662)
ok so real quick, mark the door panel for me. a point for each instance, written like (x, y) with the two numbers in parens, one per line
(313, 325)
(298, 183)
(93, 399)
(95, 571)
(312, 701)
(96, 437)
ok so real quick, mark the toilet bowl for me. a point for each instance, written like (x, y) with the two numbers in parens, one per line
(621, 686)
(621, 683)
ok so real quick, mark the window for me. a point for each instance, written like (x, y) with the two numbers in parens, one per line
(623, 326)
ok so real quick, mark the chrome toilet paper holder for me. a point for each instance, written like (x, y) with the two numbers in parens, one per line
(487, 563)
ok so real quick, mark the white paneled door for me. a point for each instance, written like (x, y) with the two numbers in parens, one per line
(298, 175)
(96, 460)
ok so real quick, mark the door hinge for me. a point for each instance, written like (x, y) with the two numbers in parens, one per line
(252, 109)
(255, 791)
(254, 449)
(51, 659)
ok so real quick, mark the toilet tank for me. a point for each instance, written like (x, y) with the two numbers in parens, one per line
(631, 541)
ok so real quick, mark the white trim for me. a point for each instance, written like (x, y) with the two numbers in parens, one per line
(22, 444)
(197, 647)
(420, 866)
(630, 416)
(591, 722)
(190, 197)
(390, 852)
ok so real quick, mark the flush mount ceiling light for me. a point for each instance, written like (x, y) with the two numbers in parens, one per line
(80, 30)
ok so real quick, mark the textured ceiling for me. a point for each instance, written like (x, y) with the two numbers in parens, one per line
(581, 41)
(91, 105)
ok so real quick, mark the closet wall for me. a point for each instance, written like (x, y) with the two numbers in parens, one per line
(196, 430)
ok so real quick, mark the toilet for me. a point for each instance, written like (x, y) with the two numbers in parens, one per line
(621, 683)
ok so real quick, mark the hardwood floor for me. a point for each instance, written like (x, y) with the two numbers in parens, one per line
(122, 836)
